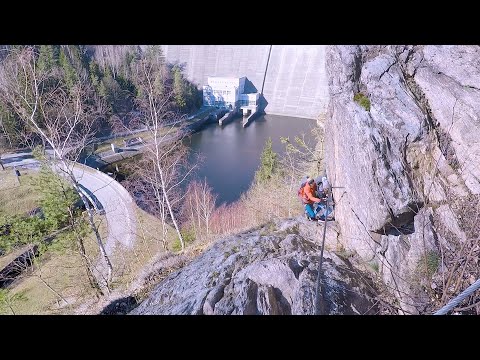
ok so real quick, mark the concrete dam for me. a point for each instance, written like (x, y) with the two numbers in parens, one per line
(292, 77)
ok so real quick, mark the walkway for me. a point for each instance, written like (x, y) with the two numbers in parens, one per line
(115, 199)
(117, 202)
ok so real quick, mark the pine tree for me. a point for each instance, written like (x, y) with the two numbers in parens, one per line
(268, 163)
(46, 58)
(57, 200)
(154, 54)
(69, 72)
(95, 75)
(178, 87)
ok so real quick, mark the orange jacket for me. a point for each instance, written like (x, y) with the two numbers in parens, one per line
(308, 190)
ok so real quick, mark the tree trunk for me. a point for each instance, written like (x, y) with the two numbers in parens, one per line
(74, 183)
(167, 200)
(192, 216)
(52, 290)
(163, 216)
(207, 223)
(86, 261)
(97, 235)
(11, 308)
(91, 276)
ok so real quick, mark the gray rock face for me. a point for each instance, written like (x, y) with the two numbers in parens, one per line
(450, 80)
(400, 164)
(270, 270)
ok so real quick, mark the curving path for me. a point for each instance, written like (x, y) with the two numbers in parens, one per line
(117, 202)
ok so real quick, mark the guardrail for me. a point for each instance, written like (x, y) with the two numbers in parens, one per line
(97, 205)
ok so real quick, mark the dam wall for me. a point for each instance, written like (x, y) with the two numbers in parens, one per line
(293, 77)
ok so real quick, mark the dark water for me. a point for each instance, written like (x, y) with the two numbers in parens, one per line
(231, 154)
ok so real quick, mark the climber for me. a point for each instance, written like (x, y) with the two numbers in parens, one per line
(304, 181)
(307, 193)
(324, 209)
(320, 193)
(300, 191)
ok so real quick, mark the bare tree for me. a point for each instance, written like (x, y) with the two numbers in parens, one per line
(113, 57)
(198, 208)
(3, 138)
(145, 183)
(165, 153)
(234, 217)
(1, 152)
(301, 152)
(62, 119)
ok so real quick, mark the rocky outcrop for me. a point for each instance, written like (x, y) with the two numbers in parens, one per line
(268, 270)
(407, 168)
(404, 165)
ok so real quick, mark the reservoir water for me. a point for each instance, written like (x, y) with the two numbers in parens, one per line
(231, 153)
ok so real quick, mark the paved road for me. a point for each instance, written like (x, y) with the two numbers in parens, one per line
(115, 199)
(117, 202)
(105, 158)
(23, 158)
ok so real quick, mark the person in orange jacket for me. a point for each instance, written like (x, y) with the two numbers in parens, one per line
(309, 198)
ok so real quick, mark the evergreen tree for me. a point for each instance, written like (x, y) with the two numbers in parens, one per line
(178, 87)
(109, 89)
(154, 54)
(69, 73)
(10, 126)
(23, 230)
(46, 58)
(126, 66)
(57, 200)
(95, 74)
(268, 163)
(192, 96)
(159, 85)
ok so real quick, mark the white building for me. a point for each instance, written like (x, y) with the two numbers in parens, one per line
(227, 92)
(249, 99)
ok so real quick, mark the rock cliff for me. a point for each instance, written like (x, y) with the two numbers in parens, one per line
(402, 152)
(268, 270)
(406, 167)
